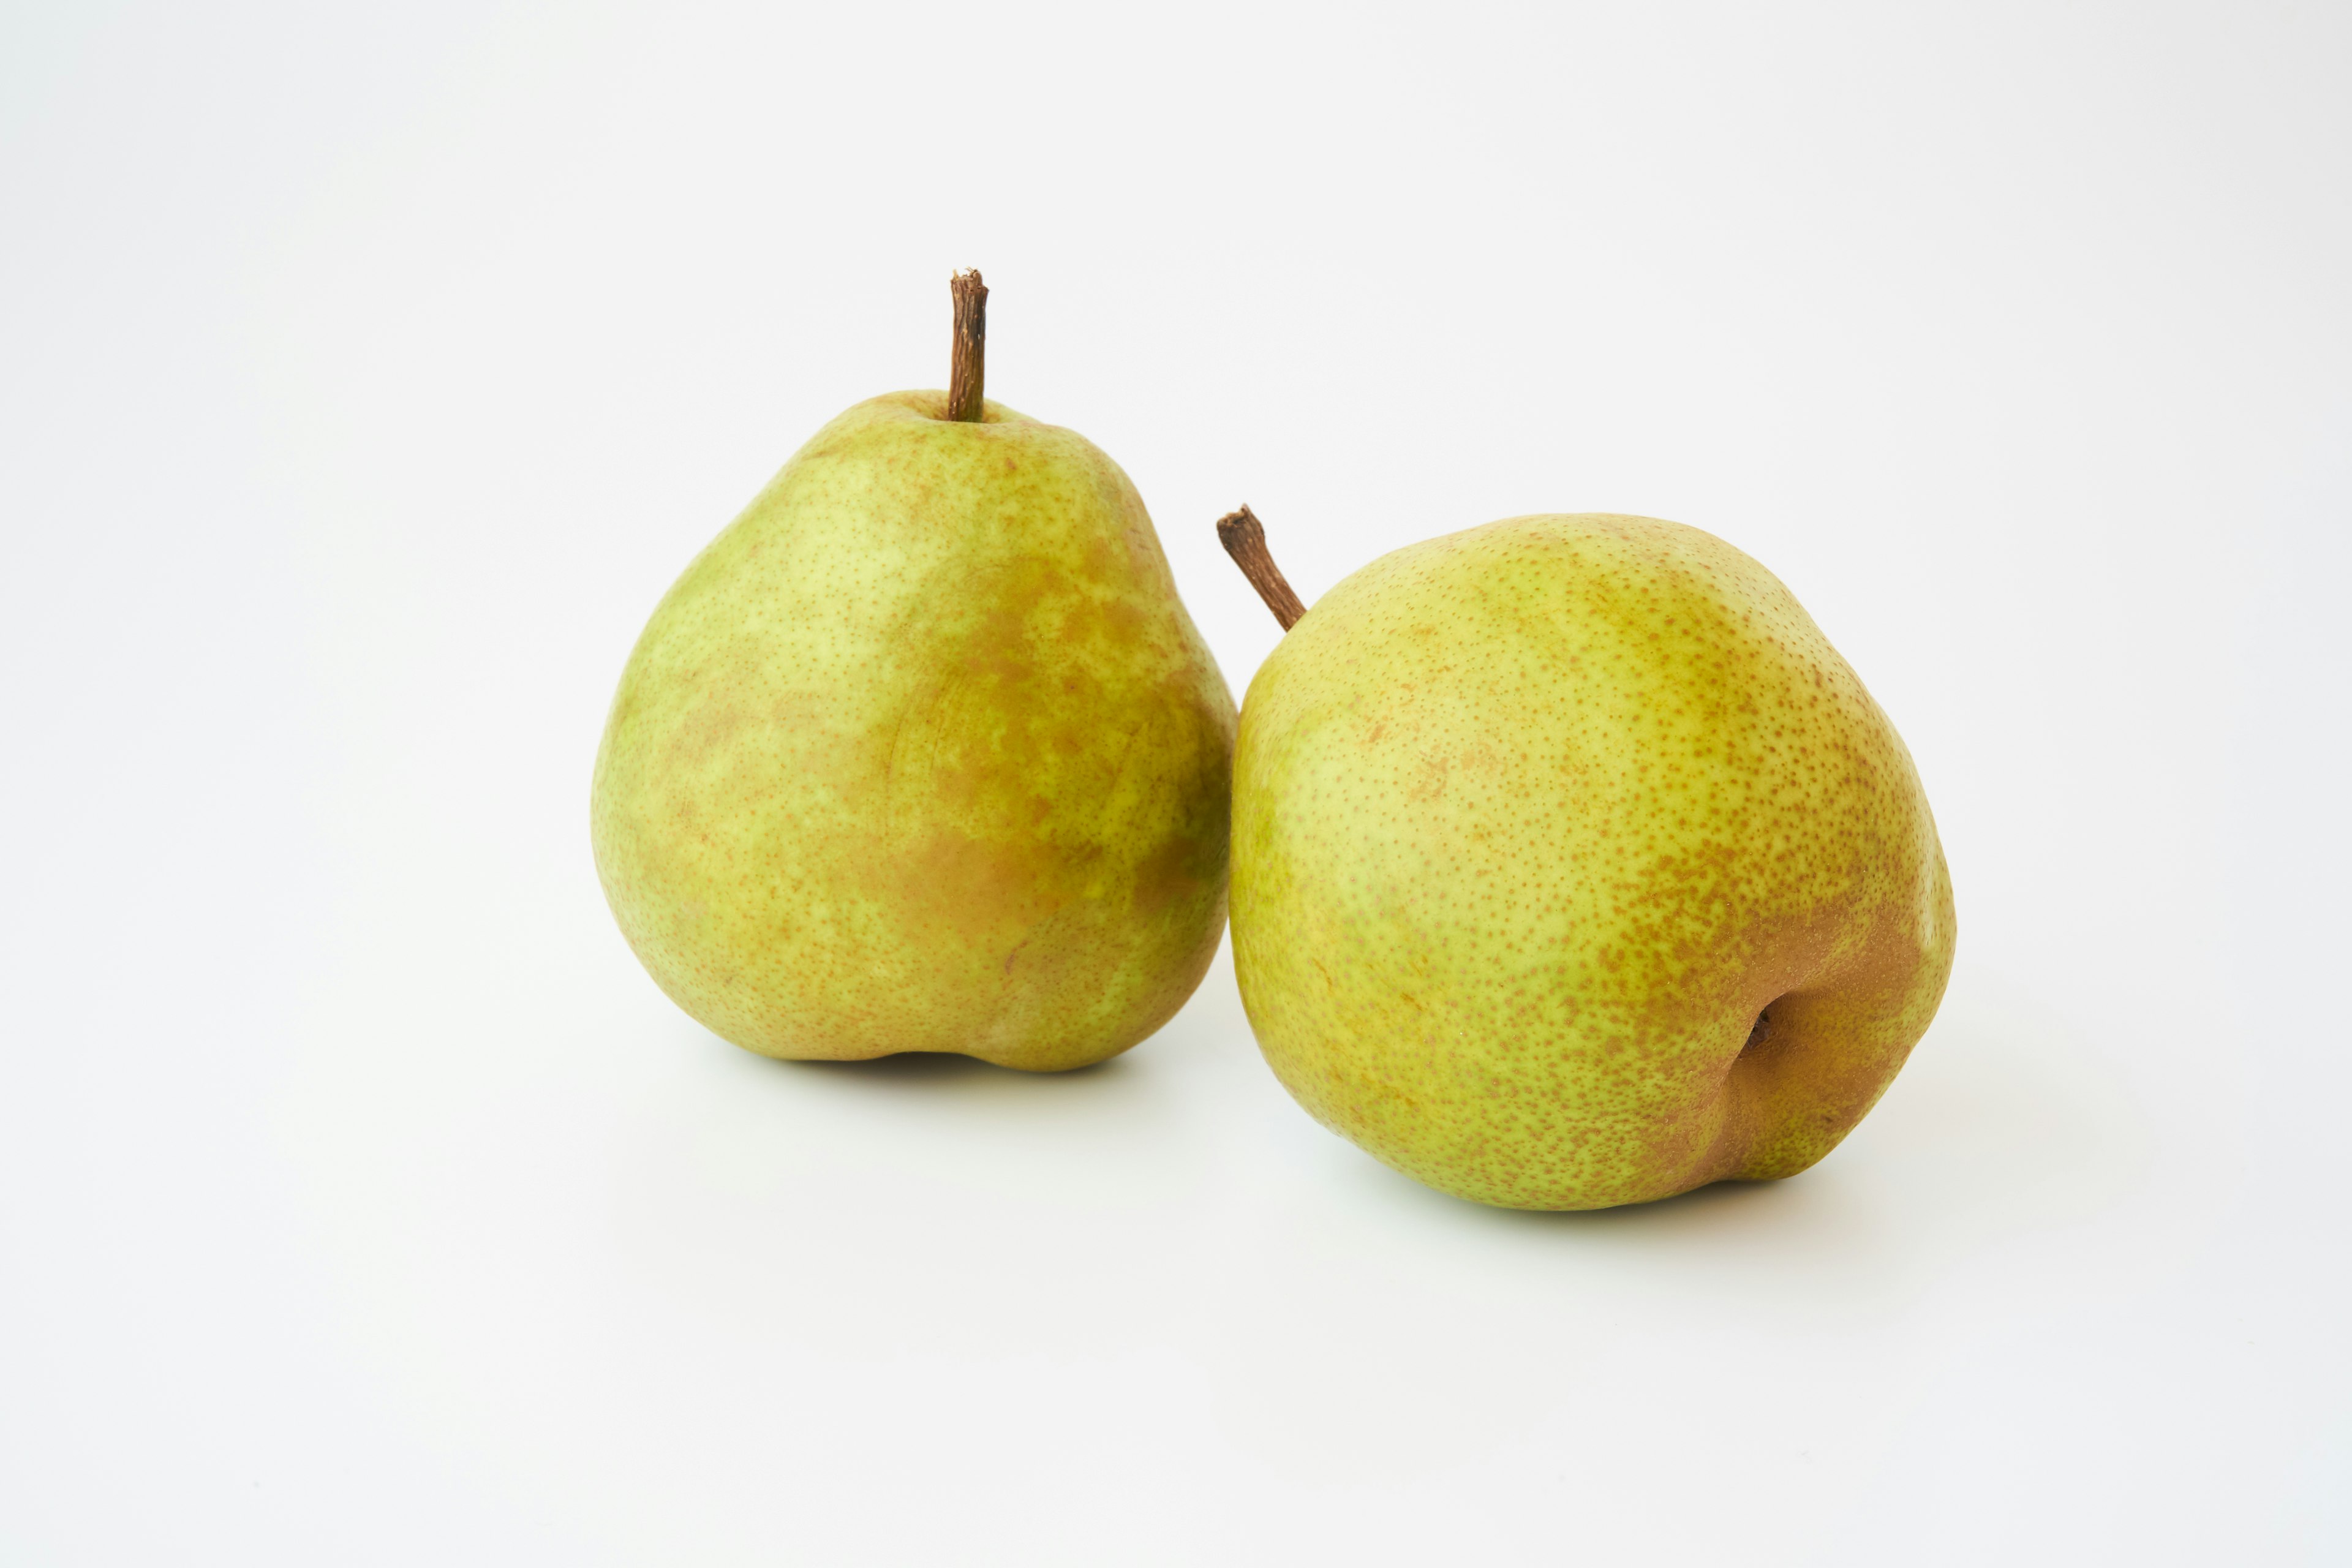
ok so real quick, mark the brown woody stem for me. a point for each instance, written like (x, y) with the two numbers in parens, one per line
(1243, 538)
(967, 360)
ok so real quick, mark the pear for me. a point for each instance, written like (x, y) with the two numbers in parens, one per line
(922, 752)
(1574, 867)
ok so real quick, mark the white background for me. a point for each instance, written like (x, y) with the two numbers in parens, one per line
(367, 372)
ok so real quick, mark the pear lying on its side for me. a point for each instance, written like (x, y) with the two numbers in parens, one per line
(1573, 866)
(923, 754)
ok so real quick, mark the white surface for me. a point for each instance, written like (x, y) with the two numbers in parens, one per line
(371, 371)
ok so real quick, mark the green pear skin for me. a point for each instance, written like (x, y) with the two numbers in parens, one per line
(923, 754)
(1533, 824)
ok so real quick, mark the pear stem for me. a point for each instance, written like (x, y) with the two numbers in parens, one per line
(1243, 538)
(967, 361)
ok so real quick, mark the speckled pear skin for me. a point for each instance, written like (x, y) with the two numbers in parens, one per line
(923, 754)
(1532, 822)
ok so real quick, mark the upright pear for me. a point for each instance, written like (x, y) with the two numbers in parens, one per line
(923, 754)
(1573, 866)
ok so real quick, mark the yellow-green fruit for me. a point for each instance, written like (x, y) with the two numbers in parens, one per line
(924, 754)
(1573, 866)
